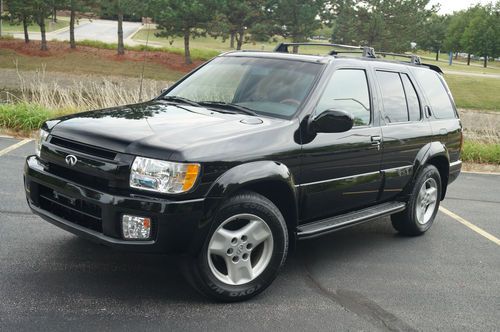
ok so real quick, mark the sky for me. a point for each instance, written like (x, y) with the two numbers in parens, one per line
(449, 6)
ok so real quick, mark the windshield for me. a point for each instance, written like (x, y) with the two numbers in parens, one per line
(272, 87)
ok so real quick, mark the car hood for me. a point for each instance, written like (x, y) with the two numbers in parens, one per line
(164, 131)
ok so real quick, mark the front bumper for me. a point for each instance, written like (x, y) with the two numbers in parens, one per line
(177, 226)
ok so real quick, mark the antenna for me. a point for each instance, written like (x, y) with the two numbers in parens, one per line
(144, 61)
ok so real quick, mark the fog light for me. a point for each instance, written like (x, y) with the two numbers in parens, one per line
(136, 228)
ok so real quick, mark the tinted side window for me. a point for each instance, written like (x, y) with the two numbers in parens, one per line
(411, 99)
(436, 93)
(393, 97)
(348, 91)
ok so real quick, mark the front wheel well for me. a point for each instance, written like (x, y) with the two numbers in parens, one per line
(282, 196)
(443, 166)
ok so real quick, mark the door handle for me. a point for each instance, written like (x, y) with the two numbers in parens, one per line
(376, 141)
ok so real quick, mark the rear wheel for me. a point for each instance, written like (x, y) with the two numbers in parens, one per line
(244, 251)
(423, 204)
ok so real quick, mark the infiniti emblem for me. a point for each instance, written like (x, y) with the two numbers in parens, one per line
(71, 160)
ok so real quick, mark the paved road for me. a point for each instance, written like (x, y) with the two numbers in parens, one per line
(100, 30)
(364, 278)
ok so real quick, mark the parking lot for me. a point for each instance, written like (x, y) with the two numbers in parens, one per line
(363, 278)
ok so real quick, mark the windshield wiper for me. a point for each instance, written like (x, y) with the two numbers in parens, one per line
(181, 100)
(240, 109)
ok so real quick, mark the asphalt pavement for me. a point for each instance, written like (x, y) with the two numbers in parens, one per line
(363, 278)
(100, 30)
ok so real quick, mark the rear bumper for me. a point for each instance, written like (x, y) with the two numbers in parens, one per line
(455, 168)
(177, 226)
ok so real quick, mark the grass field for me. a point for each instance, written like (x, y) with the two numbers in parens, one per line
(86, 63)
(49, 25)
(481, 93)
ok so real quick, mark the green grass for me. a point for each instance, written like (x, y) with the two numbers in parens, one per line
(478, 152)
(86, 63)
(481, 93)
(196, 54)
(24, 117)
(49, 26)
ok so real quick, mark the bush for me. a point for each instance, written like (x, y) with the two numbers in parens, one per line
(480, 152)
(24, 117)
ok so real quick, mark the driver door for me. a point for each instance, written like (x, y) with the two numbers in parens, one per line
(341, 171)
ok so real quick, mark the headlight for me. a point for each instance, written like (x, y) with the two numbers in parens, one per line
(40, 138)
(163, 176)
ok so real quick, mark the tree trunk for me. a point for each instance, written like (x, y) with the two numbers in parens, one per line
(41, 23)
(54, 15)
(121, 46)
(239, 39)
(485, 61)
(456, 55)
(468, 59)
(437, 55)
(72, 28)
(187, 52)
(25, 28)
(231, 40)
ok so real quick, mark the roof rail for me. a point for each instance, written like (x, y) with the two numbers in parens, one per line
(415, 59)
(368, 52)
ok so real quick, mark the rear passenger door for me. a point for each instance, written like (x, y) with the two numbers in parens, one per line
(405, 129)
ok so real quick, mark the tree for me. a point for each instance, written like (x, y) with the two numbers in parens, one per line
(345, 24)
(298, 20)
(391, 25)
(21, 11)
(75, 7)
(234, 18)
(179, 18)
(120, 8)
(41, 10)
(481, 35)
(433, 34)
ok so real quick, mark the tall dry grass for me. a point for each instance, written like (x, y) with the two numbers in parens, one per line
(81, 95)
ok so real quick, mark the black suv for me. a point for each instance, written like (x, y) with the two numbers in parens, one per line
(249, 153)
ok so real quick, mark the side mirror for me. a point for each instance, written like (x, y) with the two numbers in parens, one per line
(332, 121)
(163, 90)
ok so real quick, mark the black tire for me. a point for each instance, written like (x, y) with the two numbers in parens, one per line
(200, 272)
(407, 221)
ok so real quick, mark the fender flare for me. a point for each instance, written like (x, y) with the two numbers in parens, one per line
(240, 177)
(426, 153)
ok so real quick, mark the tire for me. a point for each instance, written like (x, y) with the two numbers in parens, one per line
(244, 250)
(422, 206)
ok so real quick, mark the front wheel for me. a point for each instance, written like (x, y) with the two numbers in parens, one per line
(244, 251)
(423, 204)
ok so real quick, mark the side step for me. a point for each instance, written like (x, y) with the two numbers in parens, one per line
(332, 224)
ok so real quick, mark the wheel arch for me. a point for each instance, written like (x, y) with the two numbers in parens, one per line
(270, 179)
(435, 154)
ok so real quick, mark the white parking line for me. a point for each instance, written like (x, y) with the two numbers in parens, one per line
(14, 146)
(476, 229)
(483, 173)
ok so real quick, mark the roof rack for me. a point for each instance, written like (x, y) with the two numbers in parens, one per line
(366, 51)
(415, 59)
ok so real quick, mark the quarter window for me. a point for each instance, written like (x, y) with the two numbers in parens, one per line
(348, 91)
(436, 93)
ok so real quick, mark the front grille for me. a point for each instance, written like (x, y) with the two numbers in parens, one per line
(78, 177)
(87, 149)
(74, 210)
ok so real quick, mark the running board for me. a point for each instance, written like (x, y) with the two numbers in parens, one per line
(332, 224)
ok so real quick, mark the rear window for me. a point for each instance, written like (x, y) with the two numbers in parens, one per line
(436, 93)
(395, 109)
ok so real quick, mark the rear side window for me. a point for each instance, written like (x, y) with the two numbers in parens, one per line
(393, 94)
(348, 91)
(411, 99)
(436, 93)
